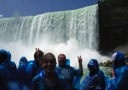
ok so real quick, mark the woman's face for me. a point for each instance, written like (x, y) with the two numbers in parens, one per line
(49, 64)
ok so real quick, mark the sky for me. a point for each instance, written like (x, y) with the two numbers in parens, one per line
(12, 8)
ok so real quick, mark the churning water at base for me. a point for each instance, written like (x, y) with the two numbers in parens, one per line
(73, 32)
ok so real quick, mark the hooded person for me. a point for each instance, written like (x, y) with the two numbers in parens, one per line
(4, 73)
(23, 61)
(68, 72)
(9, 64)
(20, 72)
(121, 72)
(95, 79)
(118, 60)
(76, 80)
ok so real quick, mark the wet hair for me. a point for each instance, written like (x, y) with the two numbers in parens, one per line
(49, 55)
(38, 52)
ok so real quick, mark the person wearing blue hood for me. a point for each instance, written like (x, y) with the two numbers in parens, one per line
(68, 72)
(9, 64)
(21, 70)
(120, 82)
(23, 61)
(95, 80)
(4, 73)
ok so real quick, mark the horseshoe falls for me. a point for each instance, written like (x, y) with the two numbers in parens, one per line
(72, 32)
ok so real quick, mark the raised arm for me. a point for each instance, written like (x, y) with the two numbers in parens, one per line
(80, 65)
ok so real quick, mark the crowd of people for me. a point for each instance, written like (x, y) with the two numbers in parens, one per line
(43, 73)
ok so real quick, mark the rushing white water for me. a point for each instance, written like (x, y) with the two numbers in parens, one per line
(73, 32)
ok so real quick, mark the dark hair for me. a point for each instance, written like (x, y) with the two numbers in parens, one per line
(62, 55)
(49, 54)
(38, 52)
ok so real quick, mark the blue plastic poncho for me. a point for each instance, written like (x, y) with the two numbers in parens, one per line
(121, 72)
(39, 83)
(72, 75)
(32, 69)
(10, 65)
(95, 79)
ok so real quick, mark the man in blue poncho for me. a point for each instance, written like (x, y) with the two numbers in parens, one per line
(121, 72)
(68, 72)
(95, 80)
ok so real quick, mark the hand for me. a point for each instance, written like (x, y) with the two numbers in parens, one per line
(79, 59)
(112, 72)
(39, 53)
(37, 49)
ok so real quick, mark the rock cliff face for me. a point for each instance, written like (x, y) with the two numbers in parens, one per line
(113, 24)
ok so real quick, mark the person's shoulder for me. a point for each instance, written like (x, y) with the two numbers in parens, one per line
(86, 78)
(125, 69)
(13, 63)
(31, 62)
(73, 68)
(37, 78)
(101, 73)
(4, 71)
(122, 68)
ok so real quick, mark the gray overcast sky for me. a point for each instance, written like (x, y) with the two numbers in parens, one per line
(11, 8)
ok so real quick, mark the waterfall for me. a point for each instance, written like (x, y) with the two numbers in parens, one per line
(73, 32)
(80, 24)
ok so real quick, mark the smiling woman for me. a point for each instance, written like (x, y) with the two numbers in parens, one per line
(49, 78)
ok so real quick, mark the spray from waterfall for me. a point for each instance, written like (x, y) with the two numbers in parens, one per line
(73, 32)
